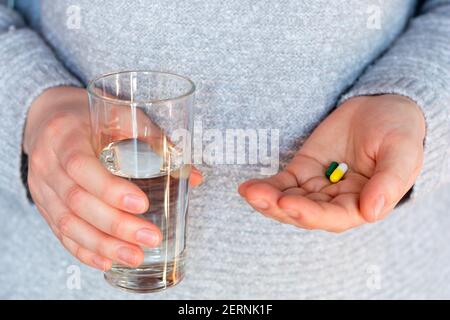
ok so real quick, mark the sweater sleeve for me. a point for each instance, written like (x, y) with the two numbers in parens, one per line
(27, 68)
(417, 66)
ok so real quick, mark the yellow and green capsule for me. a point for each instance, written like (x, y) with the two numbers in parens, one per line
(338, 173)
(331, 168)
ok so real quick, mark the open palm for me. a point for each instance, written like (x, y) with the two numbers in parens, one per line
(381, 140)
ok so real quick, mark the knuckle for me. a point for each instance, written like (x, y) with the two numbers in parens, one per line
(301, 219)
(72, 247)
(73, 196)
(75, 250)
(64, 223)
(74, 163)
(78, 253)
(56, 124)
(303, 225)
(56, 232)
(102, 247)
(117, 228)
(37, 161)
(107, 185)
(65, 242)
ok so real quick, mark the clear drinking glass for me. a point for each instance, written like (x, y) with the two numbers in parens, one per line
(141, 131)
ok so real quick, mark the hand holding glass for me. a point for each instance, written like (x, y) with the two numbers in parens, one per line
(134, 117)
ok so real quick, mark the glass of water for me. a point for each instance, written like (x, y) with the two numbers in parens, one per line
(141, 123)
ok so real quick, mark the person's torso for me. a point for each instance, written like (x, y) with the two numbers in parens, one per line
(257, 64)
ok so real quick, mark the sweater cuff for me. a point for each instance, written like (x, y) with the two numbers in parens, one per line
(31, 68)
(435, 103)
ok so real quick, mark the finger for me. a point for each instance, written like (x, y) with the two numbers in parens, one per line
(188, 171)
(39, 203)
(112, 221)
(305, 167)
(86, 256)
(315, 184)
(301, 171)
(87, 236)
(76, 156)
(90, 238)
(33, 186)
(47, 218)
(397, 166)
(337, 215)
(264, 197)
(302, 210)
(319, 196)
(281, 181)
(196, 177)
(296, 191)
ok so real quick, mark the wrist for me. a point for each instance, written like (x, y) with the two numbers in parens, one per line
(415, 108)
(396, 105)
(417, 118)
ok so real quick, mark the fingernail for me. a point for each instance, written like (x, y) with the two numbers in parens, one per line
(378, 207)
(99, 262)
(147, 237)
(259, 204)
(134, 202)
(127, 256)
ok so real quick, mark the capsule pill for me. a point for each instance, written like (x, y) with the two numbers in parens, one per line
(331, 168)
(338, 173)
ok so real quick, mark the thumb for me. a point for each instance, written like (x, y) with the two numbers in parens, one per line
(398, 162)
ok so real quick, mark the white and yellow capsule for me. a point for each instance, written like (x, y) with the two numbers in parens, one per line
(339, 172)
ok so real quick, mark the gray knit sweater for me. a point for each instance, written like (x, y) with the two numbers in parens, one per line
(258, 64)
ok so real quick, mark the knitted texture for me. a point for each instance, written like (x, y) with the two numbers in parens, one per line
(261, 65)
